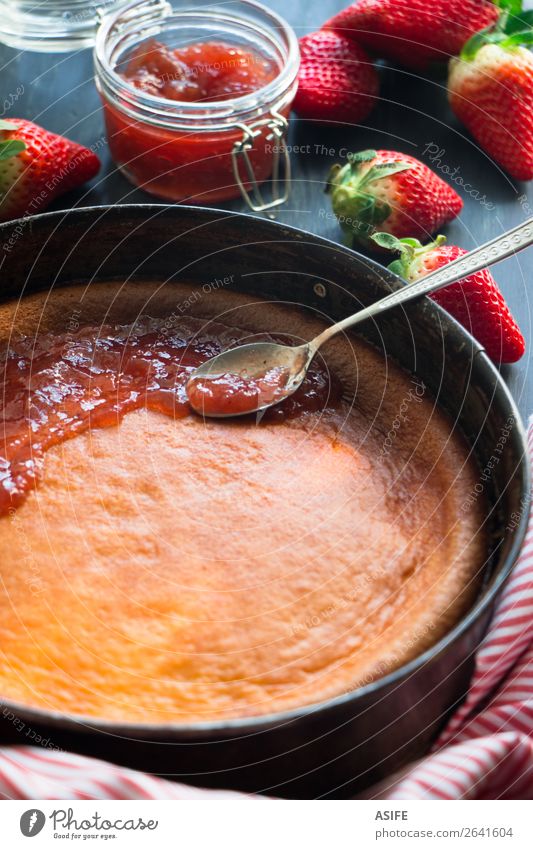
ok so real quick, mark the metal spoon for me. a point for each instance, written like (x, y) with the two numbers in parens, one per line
(251, 362)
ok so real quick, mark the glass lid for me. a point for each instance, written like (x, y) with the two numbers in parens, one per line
(51, 26)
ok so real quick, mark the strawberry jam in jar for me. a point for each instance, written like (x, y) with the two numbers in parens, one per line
(197, 98)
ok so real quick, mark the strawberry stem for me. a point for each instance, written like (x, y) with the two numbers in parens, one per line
(514, 28)
(409, 250)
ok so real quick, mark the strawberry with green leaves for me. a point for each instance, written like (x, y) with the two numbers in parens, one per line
(36, 166)
(490, 89)
(414, 32)
(389, 191)
(476, 302)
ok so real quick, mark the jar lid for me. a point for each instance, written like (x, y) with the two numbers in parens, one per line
(54, 26)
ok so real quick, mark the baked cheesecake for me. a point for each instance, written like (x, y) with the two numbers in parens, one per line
(162, 567)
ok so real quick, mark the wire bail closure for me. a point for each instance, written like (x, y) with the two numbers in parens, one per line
(278, 126)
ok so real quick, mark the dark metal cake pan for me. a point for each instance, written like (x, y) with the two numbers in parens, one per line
(340, 746)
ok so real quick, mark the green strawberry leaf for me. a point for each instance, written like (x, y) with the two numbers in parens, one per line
(362, 156)
(382, 211)
(513, 7)
(412, 243)
(519, 22)
(7, 125)
(524, 37)
(369, 214)
(11, 147)
(398, 266)
(365, 207)
(384, 169)
(405, 247)
(388, 241)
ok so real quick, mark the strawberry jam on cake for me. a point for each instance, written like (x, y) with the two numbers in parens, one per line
(160, 567)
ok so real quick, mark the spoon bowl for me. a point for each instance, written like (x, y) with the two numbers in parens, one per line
(248, 379)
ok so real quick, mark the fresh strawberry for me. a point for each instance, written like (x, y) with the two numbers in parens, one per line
(414, 32)
(490, 88)
(476, 302)
(337, 81)
(390, 191)
(36, 166)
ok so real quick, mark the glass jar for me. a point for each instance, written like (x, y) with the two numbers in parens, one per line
(202, 152)
(51, 25)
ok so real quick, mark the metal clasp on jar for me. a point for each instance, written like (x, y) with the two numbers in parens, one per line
(278, 125)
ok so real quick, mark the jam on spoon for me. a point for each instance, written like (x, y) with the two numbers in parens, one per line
(235, 394)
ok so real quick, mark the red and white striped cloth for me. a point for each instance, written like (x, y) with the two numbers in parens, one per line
(485, 752)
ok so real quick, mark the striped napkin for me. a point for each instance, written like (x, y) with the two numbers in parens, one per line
(485, 752)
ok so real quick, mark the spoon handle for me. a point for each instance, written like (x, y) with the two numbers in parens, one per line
(487, 254)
